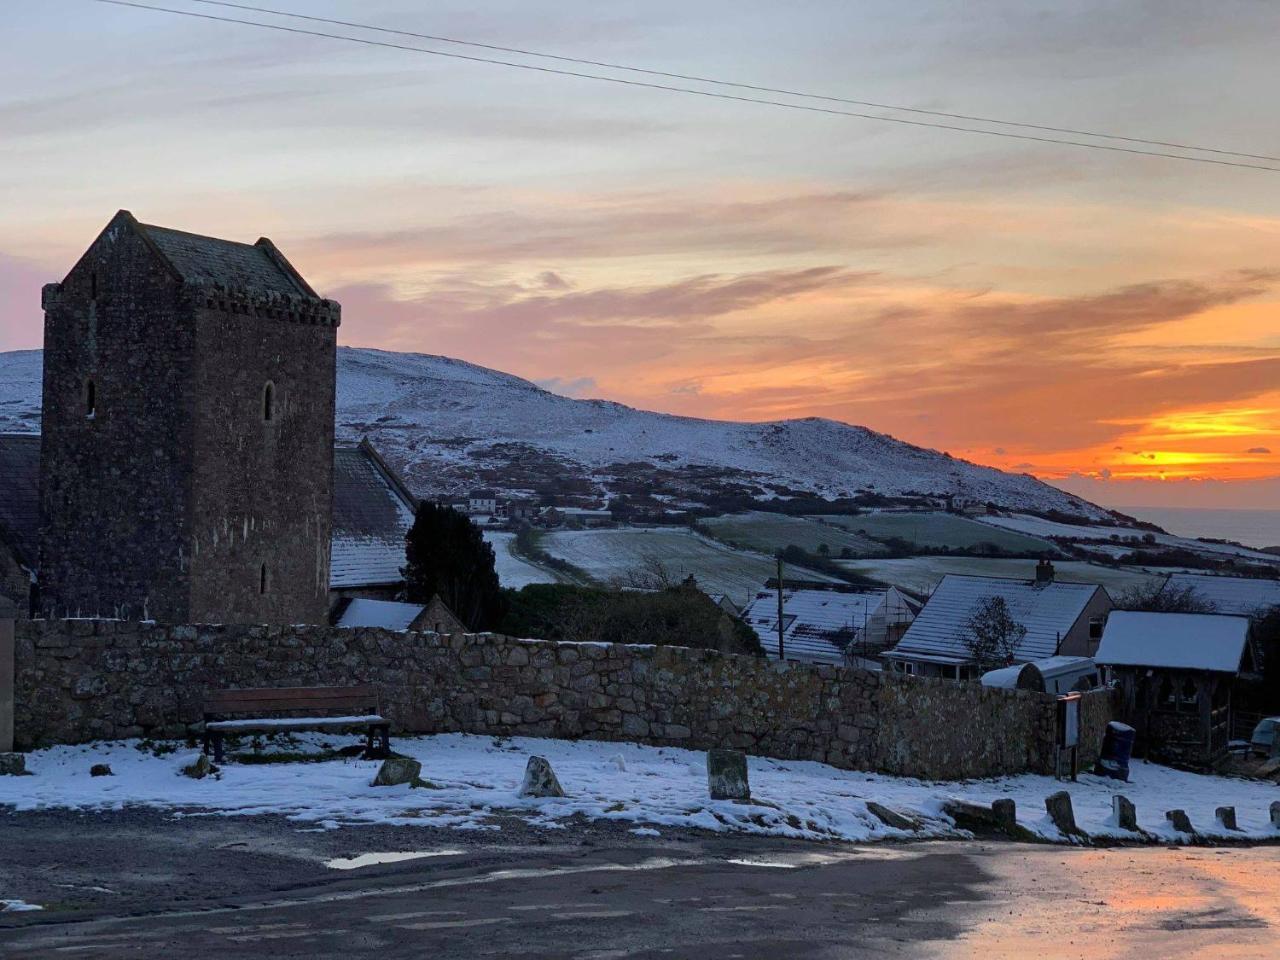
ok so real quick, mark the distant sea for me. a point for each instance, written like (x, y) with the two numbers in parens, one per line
(1253, 528)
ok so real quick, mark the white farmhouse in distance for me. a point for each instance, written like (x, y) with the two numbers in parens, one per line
(830, 626)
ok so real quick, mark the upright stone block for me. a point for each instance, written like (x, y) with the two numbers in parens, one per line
(727, 775)
(1180, 822)
(1124, 813)
(540, 780)
(1226, 817)
(1275, 814)
(1060, 812)
(1005, 810)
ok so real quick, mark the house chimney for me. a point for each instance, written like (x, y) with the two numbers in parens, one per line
(1044, 572)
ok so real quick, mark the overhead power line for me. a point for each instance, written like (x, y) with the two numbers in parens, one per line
(758, 88)
(807, 108)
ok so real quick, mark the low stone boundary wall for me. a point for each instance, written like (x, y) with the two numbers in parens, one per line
(81, 680)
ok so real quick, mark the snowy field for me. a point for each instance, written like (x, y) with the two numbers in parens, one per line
(940, 530)
(616, 555)
(771, 532)
(922, 574)
(473, 783)
(513, 571)
(1038, 526)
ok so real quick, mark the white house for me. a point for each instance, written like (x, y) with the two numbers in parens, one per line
(482, 503)
(1061, 619)
(829, 626)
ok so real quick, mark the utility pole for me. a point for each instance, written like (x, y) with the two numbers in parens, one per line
(782, 655)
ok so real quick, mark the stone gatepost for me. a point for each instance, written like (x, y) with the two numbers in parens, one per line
(8, 613)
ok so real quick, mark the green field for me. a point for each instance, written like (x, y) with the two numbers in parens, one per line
(921, 574)
(772, 532)
(934, 530)
(627, 557)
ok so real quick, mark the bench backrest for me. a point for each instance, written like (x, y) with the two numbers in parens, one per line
(318, 700)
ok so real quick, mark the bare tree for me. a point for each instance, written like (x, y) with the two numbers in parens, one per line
(1160, 596)
(992, 636)
(651, 573)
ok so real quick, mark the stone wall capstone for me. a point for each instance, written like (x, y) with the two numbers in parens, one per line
(81, 680)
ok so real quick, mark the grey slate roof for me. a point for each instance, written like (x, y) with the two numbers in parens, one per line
(372, 513)
(1239, 596)
(247, 266)
(20, 494)
(818, 624)
(1048, 611)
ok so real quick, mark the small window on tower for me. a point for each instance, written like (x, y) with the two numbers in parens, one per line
(262, 579)
(90, 399)
(268, 403)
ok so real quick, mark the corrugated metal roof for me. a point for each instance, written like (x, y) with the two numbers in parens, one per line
(201, 259)
(1186, 641)
(20, 494)
(817, 624)
(1048, 611)
(1237, 596)
(371, 516)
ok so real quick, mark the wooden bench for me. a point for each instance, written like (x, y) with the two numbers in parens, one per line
(309, 708)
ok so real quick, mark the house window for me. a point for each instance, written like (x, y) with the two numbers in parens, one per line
(90, 398)
(1095, 628)
(268, 402)
(262, 580)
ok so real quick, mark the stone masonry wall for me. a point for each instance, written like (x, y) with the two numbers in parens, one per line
(81, 680)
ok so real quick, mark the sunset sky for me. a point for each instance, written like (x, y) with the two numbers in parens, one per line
(1108, 322)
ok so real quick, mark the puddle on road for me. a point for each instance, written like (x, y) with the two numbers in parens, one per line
(793, 861)
(373, 859)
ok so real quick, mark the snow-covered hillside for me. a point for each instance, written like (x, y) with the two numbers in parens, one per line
(451, 425)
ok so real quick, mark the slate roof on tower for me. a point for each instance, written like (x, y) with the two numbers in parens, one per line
(257, 267)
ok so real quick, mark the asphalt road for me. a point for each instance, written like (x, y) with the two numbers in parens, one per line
(136, 884)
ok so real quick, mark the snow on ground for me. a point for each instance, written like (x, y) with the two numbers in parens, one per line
(922, 574)
(513, 571)
(473, 782)
(624, 554)
(440, 420)
(1038, 526)
(17, 906)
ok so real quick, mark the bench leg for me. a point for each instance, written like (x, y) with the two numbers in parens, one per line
(385, 730)
(218, 751)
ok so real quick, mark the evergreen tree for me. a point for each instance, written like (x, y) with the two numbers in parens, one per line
(447, 556)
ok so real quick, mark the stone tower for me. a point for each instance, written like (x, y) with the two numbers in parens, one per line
(187, 455)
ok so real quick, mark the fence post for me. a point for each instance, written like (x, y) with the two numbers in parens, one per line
(8, 613)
